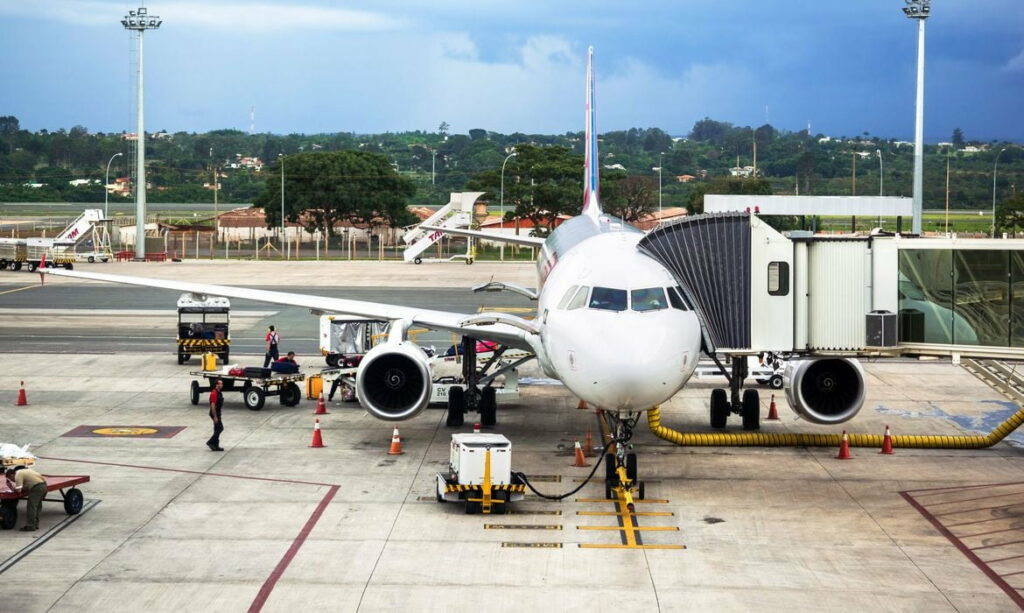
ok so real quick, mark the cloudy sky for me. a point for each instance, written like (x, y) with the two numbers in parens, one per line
(846, 66)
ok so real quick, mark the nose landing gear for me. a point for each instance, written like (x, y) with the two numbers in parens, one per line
(620, 464)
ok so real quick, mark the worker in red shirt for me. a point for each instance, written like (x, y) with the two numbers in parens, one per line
(216, 403)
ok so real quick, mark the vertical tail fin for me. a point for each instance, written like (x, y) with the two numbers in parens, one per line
(591, 164)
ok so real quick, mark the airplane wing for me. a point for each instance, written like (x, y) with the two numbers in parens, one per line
(500, 327)
(528, 241)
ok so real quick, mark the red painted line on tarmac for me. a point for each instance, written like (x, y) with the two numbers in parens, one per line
(935, 504)
(1012, 574)
(1010, 591)
(937, 491)
(271, 582)
(268, 585)
(997, 545)
(190, 472)
(998, 506)
(969, 536)
(1003, 559)
(980, 521)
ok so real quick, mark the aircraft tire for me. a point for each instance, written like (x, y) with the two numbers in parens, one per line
(610, 476)
(456, 407)
(719, 408)
(631, 467)
(751, 410)
(488, 407)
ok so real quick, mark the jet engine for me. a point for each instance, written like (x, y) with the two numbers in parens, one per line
(394, 382)
(825, 390)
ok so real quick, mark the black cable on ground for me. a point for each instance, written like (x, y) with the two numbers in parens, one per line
(524, 479)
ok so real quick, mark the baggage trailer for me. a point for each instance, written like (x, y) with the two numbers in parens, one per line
(254, 390)
(70, 495)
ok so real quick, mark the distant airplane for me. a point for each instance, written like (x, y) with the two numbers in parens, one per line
(612, 323)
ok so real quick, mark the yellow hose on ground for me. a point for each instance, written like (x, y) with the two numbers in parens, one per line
(783, 439)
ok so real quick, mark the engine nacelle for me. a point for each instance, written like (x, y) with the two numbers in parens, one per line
(393, 382)
(825, 390)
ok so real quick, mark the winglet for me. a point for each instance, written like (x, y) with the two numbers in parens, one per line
(591, 162)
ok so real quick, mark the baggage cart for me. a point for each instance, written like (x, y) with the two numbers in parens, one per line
(254, 390)
(70, 495)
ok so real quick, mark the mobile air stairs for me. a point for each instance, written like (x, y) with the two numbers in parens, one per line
(88, 229)
(458, 213)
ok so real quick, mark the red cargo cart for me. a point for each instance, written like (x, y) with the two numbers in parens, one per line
(70, 495)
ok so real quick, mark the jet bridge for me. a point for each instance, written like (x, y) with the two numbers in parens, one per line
(756, 289)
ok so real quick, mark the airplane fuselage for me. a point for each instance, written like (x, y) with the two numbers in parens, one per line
(611, 329)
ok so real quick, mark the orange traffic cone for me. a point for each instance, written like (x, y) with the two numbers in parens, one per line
(887, 442)
(772, 413)
(22, 399)
(582, 405)
(844, 448)
(588, 444)
(318, 439)
(579, 461)
(476, 428)
(396, 443)
(321, 406)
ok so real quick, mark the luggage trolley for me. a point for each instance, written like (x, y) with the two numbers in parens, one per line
(70, 495)
(203, 326)
(254, 388)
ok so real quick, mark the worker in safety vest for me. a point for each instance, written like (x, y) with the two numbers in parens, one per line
(30, 485)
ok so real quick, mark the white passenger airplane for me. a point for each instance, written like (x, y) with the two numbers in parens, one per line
(611, 324)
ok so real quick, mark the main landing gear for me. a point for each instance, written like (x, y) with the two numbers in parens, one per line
(620, 477)
(473, 397)
(748, 406)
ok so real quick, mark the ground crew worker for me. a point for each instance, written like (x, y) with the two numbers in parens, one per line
(272, 338)
(216, 403)
(32, 486)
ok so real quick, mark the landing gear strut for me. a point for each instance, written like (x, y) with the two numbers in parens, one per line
(472, 397)
(621, 465)
(748, 406)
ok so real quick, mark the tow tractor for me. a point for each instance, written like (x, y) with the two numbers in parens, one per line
(254, 389)
(480, 474)
(203, 326)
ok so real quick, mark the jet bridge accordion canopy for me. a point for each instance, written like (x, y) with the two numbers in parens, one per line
(709, 255)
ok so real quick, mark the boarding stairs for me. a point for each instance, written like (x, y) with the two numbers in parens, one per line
(458, 213)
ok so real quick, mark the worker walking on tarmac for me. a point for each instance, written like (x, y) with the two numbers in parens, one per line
(216, 403)
(273, 338)
(31, 485)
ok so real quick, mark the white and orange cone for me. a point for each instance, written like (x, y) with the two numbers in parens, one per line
(321, 406)
(318, 439)
(396, 443)
(773, 413)
(578, 460)
(887, 442)
(844, 448)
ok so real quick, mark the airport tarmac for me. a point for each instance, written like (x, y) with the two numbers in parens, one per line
(272, 524)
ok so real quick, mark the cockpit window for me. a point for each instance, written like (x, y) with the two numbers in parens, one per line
(608, 299)
(648, 299)
(675, 298)
(568, 296)
(580, 299)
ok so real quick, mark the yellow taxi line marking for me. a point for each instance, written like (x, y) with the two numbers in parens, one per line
(634, 514)
(598, 546)
(17, 289)
(644, 501)
(627, 523)
(631, 528)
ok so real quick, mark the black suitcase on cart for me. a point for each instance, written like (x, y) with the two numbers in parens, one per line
(256, 372)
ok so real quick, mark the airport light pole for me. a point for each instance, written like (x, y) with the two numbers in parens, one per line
(281, 157)
(881, 173)
(918, 10)
(501, 199)
(106, 182)
(660, 164)
(995, 167)
(433, 164)
(140, 20)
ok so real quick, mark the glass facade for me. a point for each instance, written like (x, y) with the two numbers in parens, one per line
(962, 297)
